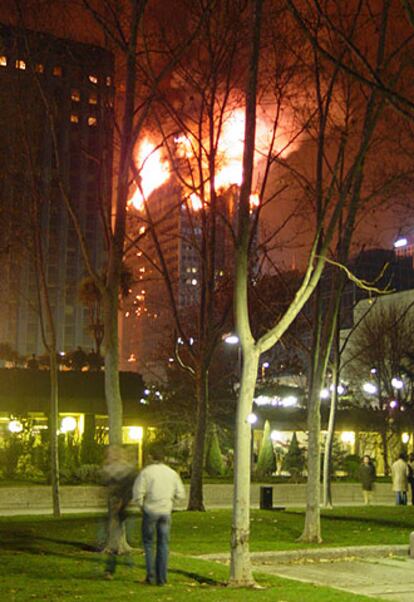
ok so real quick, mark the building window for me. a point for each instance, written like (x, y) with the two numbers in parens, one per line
(39, 68)
(75, 96)
(3, 61)
(20, 64)
(93, 79)
(93, 99)
(108, 80)
(57, 71)
(92, 121)
(74, 118)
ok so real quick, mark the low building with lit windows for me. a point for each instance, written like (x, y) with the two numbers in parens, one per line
(24, 397)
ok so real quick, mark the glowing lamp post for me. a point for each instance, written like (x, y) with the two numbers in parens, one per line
(68, 424)
(231, 339)
(251, 418)
(369, 388)
(397, 383)
(400, 242)
(136, 433)
(15, 426)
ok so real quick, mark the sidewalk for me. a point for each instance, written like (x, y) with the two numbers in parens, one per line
(389, 578)
(385, 572)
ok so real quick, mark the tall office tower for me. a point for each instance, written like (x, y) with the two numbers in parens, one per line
(176, 228)
(56, 139)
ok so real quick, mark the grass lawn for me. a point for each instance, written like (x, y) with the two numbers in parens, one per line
(47, 559)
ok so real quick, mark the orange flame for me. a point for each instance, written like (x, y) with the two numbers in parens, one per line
(154, 172)
(196, 202)
(254, 201)
(155, 169)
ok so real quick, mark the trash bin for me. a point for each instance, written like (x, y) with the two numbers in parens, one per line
(266, 498)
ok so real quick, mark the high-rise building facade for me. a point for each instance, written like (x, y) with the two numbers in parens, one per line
(56, 139)
(175, 231)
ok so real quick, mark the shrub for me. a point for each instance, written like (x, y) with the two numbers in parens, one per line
(266, 464)
(88, 473)
(214, 459)
(294, 461)
(351, 464)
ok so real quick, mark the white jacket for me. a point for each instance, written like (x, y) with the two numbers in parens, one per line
(157, 488)
(399, 471)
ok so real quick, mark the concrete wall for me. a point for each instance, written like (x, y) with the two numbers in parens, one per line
(37, 499)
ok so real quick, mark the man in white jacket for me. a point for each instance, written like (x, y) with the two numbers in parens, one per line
(155, 490)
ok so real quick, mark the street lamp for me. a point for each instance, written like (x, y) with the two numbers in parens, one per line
(68, 424)
(397, 383)
(264, 367)
(400, 242)
(231, 339)
(15, 426)
(369, 388)
(136, 433)
(251, 418)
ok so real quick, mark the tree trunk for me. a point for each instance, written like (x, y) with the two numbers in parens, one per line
(53, 426)
(312, 529)
(327, 459)
(195, 501)
(384, 440)
(112, 387)
(241, 570)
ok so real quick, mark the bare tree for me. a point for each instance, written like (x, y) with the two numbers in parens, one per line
(331, 195)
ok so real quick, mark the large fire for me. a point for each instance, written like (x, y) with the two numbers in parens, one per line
(155, 170)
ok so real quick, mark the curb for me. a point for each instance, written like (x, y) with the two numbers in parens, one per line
(292, 556)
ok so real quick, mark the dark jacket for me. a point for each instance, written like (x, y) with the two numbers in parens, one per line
(367, 476)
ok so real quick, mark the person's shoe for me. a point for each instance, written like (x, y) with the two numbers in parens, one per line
(108, 576)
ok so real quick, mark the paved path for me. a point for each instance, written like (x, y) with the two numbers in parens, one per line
(382, 571)
(386, 578)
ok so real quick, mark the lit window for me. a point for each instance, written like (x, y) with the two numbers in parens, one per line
(74, 118)
(20, 64)
(75, 96)
(93, 99)
(108, 80)
(39, 68)
(93, 79)
(3, 61)
(57, 71)
(92, 121)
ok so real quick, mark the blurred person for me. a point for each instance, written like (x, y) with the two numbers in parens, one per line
(399, 473)
(367, 477)
(156, 489)
(118, 474)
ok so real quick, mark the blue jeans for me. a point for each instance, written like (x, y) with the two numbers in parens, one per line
(161, 524)
(401, 498)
